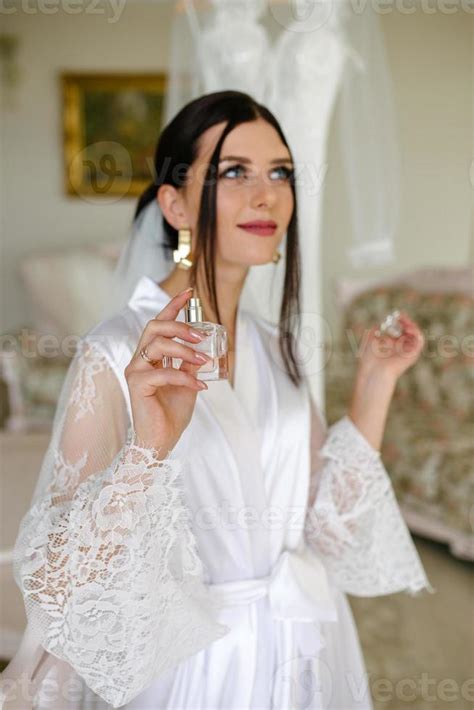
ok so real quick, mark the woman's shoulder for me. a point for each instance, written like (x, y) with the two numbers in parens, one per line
(118, 334)
(115, 337)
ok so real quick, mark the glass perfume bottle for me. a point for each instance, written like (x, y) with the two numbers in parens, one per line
(391, 325)
(213, 344)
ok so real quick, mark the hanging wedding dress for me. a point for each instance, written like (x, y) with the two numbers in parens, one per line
(214, 578)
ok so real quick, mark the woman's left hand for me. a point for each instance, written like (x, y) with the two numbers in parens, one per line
(391, 356)
(383, 359)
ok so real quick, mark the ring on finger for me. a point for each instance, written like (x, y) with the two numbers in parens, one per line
(147, 358)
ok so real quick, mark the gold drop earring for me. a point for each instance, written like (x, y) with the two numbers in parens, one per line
(276, 257)
(182, 255)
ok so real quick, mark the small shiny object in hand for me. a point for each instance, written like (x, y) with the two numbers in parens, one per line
(390, 325)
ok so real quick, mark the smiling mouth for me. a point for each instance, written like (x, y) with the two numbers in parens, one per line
(262, 230)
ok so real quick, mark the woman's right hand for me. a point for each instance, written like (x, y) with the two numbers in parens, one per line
(163, 399)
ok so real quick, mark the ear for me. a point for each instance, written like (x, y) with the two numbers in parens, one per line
(172, 205)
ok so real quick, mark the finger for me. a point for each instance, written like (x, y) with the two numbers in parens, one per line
(161, 346)
(409, 329)
(171, 310)
(407, 322)
(148, 382)
(175, 329)
(169, 349)
(189, 367)
(171, 329)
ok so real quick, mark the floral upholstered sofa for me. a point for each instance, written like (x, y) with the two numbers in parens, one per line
(428, 445)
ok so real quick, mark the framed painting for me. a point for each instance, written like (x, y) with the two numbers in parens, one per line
(111, 124)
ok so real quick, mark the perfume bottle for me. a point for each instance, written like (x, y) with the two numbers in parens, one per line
(213, 344)
(391, 325)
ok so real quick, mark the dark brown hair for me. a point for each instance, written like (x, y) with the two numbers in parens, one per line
(177, 149)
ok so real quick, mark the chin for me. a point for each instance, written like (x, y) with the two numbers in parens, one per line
(260, 256)
(256, 257)
(259, 260)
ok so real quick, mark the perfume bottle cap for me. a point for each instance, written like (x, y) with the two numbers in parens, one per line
(193, 311)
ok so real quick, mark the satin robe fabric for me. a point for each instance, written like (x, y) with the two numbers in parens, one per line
(291, 641)
(247, 448)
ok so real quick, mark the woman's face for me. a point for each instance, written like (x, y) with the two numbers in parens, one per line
(253, 185)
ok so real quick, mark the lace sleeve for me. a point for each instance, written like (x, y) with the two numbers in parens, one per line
(105, 557)
(353, 522)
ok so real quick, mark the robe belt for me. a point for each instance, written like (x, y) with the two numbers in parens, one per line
(297, 590)
(299, 598)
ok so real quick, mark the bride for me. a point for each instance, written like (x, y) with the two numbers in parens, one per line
(190, 544)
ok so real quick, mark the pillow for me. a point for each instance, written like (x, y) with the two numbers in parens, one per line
(67, 288)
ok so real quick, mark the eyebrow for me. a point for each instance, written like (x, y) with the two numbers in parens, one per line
(247, 160)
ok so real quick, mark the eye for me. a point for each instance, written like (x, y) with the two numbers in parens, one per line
(237, 168)
(285, 173)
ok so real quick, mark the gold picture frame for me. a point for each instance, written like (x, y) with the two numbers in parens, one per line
(111, 124)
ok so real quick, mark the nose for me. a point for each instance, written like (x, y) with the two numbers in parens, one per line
(263, 192)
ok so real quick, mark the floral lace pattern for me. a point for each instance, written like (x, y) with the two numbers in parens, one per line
(84, 391)
(106, 559)
(113, 544)
(355, 524)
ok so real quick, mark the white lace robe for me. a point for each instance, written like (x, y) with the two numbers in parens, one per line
(214, 578)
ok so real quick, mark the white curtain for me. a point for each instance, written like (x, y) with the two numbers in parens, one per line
(325, 54)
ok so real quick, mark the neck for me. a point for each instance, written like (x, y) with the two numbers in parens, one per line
(229, 286)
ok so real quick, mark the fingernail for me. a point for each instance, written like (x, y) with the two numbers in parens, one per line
(194, 334)
(181, 293)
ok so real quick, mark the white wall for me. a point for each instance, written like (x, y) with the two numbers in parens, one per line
(431, 60)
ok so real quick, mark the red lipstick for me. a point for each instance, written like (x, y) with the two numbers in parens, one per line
(264, 228)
